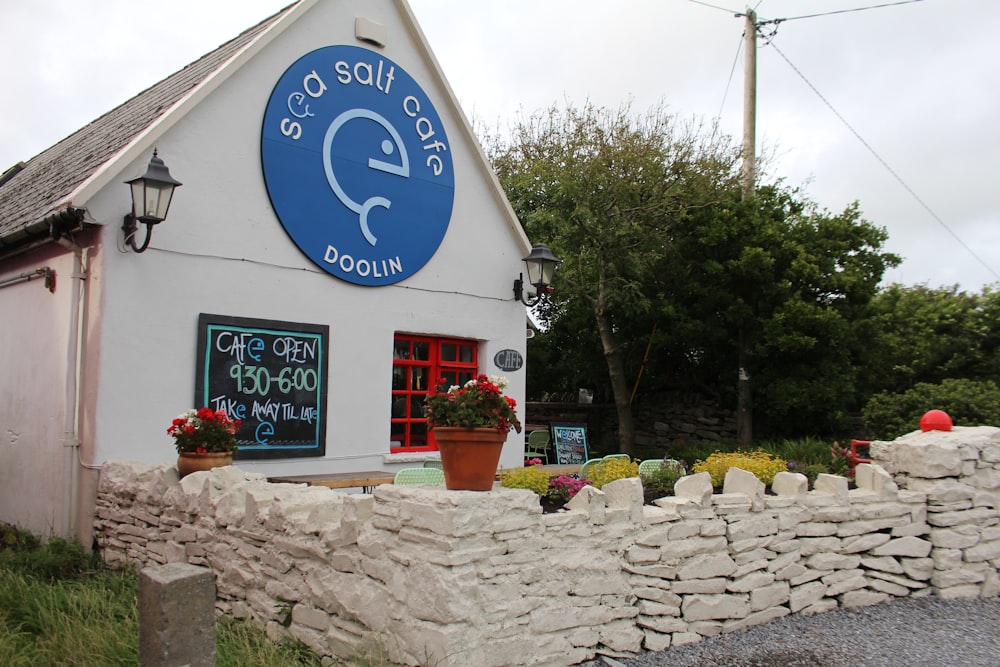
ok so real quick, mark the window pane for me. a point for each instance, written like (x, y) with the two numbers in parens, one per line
(467, 353)
(399, 378)
(398, 407)
(401, 349)
(465, 377)
(449, 379)
(416, 407)
(419, 378)
(418, 434)
(398, 435)
(421, 350)
(449, 352)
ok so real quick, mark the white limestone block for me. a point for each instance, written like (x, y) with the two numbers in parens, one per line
(693, 546)
(919, 569)
(956, 537)
(706, 628)
(751, 527)
(834, 486)
(710, 607)
(707, 567)
(975, 516)
(964, 592)
(591, 501)
(887, 587)
(750, 582)
(806, 595)
(833, 561)
(873, 477)
(859, 543)
(698, 586)
(696, 488)
(625, 494)
(982, 552)
(875, 575)
(793, 484)
(655, 641)
(741, 481)
(756, 618)
(772, 595)
(863, 598)
(911, 547)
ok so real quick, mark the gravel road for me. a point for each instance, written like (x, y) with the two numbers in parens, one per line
(921, 632)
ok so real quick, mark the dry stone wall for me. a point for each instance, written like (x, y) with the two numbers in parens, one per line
(463, 578)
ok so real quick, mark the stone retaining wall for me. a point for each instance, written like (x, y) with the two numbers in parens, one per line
(437, 577)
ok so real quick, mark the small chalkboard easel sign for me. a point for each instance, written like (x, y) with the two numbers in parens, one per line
(570, 443)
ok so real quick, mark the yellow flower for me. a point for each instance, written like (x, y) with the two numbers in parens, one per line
(763, 465)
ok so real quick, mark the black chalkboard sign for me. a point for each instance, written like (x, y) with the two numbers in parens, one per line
(570, 442)
(273, 376)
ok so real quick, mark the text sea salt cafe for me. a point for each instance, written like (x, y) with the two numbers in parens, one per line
(300, 123)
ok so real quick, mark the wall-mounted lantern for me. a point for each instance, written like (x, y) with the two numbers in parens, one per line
(541, 264)
(151, 195)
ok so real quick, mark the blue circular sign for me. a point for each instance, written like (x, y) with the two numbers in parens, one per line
(357, 165)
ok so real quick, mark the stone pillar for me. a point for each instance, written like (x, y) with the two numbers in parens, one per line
(176, 616)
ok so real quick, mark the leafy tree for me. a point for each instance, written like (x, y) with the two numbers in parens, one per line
(606, 190)
(779, 286)
(662, 253)
(925, 335)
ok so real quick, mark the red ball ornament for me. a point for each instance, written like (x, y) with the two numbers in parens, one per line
(935, 420)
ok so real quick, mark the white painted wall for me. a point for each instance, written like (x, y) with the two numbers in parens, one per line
(223, 251)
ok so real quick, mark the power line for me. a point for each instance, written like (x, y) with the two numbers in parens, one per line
(880, 159)
(837, 11)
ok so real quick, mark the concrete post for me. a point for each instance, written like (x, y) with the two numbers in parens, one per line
(176, 616)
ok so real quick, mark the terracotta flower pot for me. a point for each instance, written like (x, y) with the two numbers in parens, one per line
(469, 456)
(189, 462)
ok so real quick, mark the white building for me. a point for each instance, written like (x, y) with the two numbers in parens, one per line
(339, 242)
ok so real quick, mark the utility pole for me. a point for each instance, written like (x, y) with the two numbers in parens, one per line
(749, 171)
(744, 408)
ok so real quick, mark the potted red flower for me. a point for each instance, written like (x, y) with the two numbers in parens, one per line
(204, 438)
(470, 424)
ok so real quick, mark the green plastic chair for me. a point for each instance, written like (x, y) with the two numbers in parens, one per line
(433, 463)
(588, 466)
(650, 466)
(618, 456)
(434, 476)
(537, 446)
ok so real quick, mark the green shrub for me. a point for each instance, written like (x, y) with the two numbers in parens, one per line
(811, 470)
(660, 483)
(762, 464)
(967, 402)
(54, 559)
(804, 451)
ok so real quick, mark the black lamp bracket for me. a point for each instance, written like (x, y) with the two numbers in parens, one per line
(519, 293)
(130, 227)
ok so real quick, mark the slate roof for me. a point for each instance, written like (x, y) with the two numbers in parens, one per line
(42, 186)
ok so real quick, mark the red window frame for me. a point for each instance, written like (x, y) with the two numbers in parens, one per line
(418, 364)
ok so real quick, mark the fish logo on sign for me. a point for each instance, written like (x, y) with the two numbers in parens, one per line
(357, 165)
(387, 147)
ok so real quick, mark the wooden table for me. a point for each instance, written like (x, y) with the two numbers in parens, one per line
(369, 479)
(366, 479)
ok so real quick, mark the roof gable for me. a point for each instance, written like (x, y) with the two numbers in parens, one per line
(69, 173)
(48, 181)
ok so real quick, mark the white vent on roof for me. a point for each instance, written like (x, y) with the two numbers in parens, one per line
(369, 31)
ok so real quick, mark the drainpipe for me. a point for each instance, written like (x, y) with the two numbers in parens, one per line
(74, 366)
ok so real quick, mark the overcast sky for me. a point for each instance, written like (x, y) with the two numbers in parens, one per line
(918, 82)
